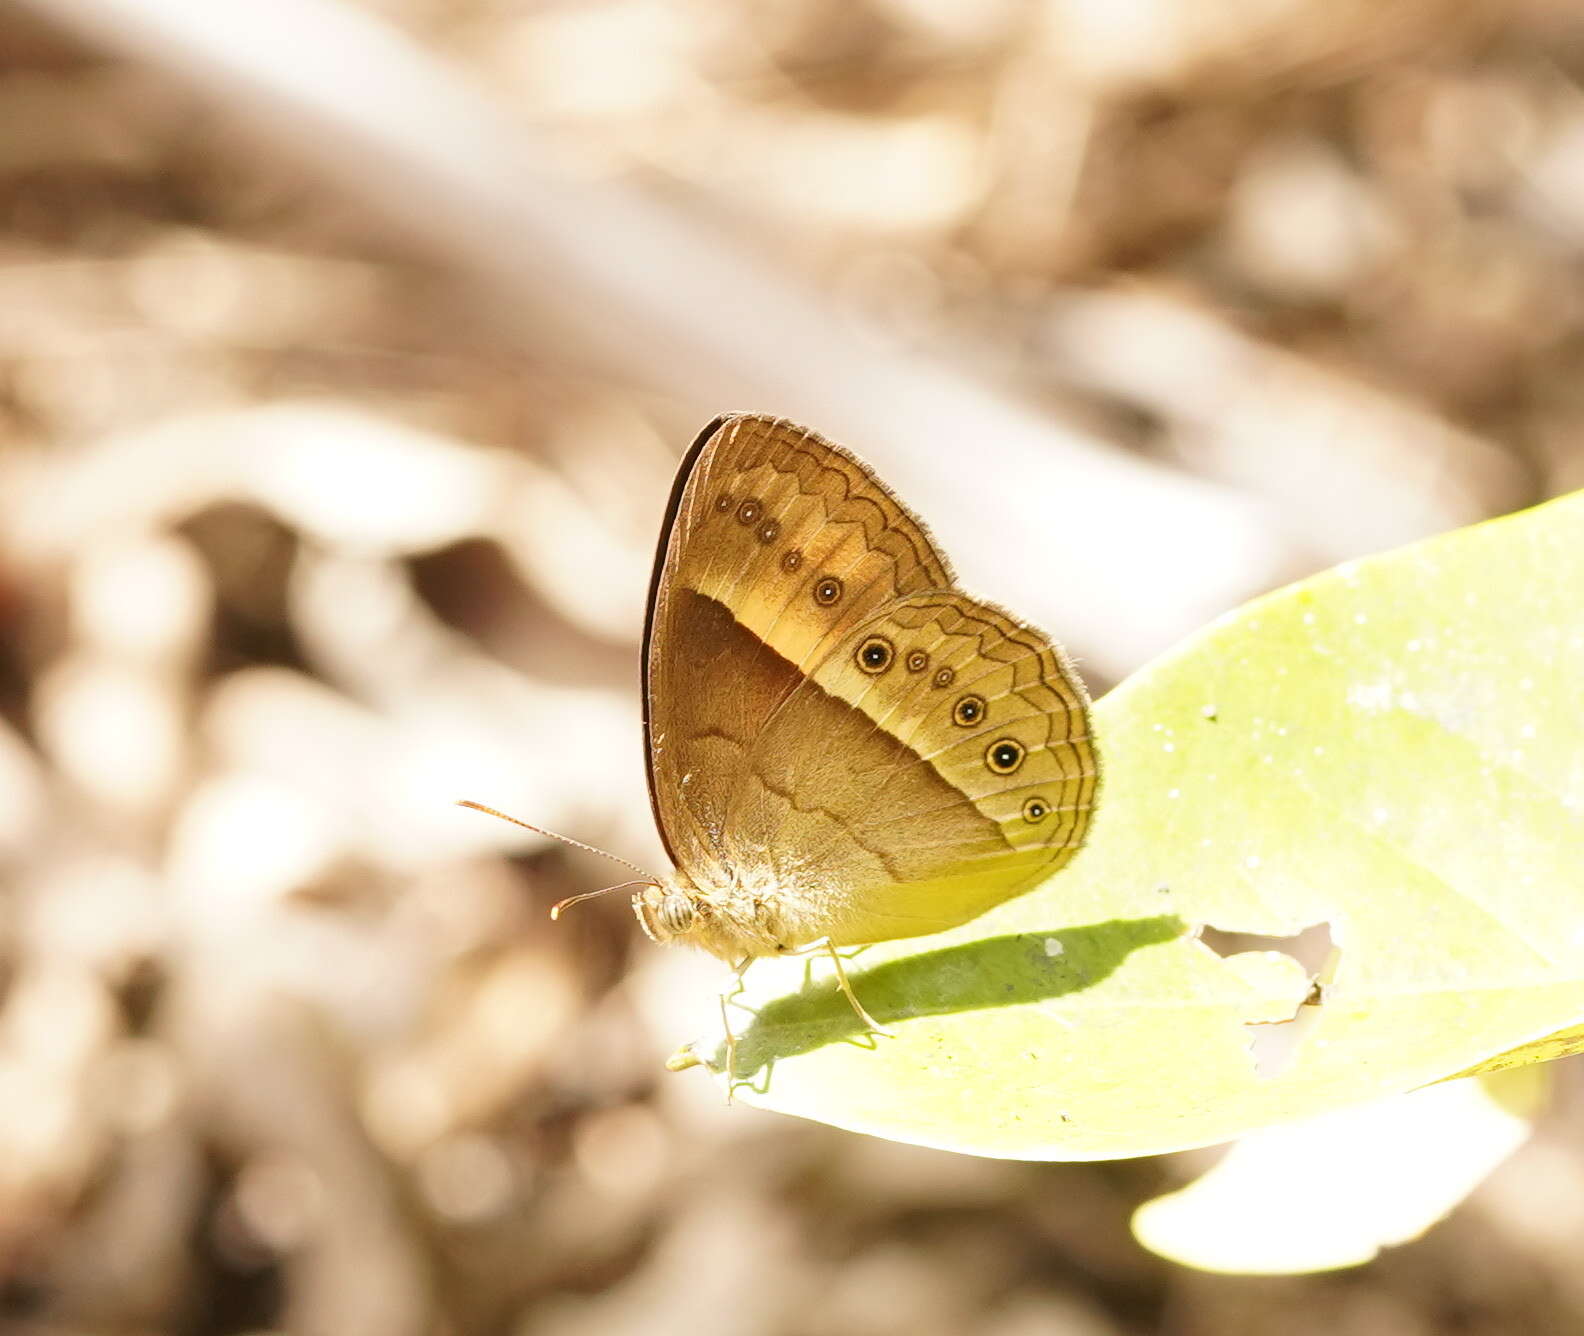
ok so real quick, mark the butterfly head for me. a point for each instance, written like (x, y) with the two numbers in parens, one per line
(665, 909)
(723, 914)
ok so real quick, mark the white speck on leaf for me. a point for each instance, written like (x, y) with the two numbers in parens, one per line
(1371, 696)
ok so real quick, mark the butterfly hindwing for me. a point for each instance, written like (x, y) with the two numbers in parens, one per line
(985, 783)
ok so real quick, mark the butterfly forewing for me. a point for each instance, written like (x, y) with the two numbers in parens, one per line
(777, 541)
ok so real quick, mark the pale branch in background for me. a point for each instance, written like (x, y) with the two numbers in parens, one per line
(1130, 555)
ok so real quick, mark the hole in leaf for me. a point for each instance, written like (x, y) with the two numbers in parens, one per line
(1273, 1044)
(1311, 947)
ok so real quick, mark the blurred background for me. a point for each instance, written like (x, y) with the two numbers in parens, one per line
(347, 348)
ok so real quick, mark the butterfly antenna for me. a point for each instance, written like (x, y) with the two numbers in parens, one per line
(555, 909)
(646, 878)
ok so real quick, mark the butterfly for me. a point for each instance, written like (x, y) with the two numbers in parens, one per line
(843, 747)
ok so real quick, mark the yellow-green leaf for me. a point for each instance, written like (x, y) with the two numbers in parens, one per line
(1394, 749)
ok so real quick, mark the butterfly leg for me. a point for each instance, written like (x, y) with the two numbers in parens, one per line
(731, 1050)
(812, 949)
(823, 944)
(740, 969)
(841, 978)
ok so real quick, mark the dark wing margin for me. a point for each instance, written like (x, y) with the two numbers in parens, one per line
(662, 549)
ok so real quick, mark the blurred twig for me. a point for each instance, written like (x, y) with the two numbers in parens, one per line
(618, 278)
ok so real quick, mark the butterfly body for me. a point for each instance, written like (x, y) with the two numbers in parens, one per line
(843, 746)
(733, 919)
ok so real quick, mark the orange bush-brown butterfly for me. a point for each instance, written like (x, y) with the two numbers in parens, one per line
(843, 747)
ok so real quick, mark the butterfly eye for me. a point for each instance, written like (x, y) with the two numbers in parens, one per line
(917, 661)
(676, 914)
(768, 531)
(1035, 810)
(968, 711)
(827, 591)
(791, 560)
(944, 677)
(1005, 756)
(750, 511)
(875, 655)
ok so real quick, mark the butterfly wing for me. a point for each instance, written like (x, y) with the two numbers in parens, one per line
(956, 771)
(776, 544)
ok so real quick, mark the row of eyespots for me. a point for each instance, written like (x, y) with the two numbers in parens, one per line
(1003, 756)
(748, 512)
(827, 589)
(876, 653)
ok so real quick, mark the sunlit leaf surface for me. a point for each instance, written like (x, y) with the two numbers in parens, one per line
(1393, 749)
